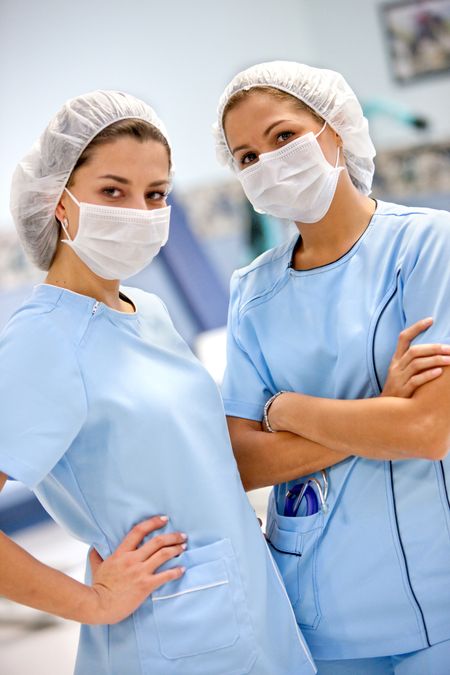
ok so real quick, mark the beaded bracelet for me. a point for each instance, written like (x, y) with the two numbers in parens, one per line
(266, 410)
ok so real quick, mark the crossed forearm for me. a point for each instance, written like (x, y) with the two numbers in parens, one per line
(376, 428)
(266, 459)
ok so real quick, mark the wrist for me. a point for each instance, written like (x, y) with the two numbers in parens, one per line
(280, 411)
(267, 424)
(89, 610)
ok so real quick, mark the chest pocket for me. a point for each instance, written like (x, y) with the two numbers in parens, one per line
(293, 542)
(202, 619)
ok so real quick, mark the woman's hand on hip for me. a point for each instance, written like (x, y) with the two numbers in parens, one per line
(122, 582)
(413, 366)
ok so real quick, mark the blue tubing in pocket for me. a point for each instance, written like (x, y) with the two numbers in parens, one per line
(294, 499)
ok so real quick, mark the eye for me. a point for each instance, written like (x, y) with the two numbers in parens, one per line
(248, 158)
(284, 136)
(156, 196)
(112, 192)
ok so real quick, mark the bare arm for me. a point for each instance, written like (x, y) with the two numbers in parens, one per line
(377, 428)
(267, 459)
(120, 583)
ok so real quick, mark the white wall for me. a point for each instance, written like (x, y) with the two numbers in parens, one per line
(349, 37)
(178, 55)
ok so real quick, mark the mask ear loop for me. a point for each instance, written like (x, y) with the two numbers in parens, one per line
(65, 225)
(65, 222)
(324, 125)
(337, 157)
(339, 147)
(73, 198)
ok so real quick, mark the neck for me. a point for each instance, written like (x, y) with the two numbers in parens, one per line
(333, 235)
(68, 271)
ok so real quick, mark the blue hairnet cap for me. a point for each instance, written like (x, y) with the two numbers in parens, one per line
(327, 93)
(40, 177)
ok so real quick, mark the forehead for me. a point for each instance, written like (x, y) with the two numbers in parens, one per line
(127, 150)
(257, 111)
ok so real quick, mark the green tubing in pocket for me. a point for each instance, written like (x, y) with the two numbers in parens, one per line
(202, 618)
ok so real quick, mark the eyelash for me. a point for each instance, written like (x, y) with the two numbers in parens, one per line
(109, 190)
(286, 133)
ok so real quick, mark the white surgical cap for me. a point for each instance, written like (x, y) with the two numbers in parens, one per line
(327, 93)
(40, 178)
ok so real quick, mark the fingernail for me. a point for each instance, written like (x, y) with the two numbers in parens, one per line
(164, 518)
(183, 535)
(182, 570)
(445, 348)
(436, 371)
(446, 359)
(183, 546)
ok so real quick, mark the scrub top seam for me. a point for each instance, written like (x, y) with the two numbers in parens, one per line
(403, 213)
(27, 468)
(43, 312)
(423, 628)
(243, 272)
(87, 505)
(84, 324)
(278, 285)
(137, 636)
(267, 295)
(442, 488)
(235, 330)
(444, 478)
(345, 258)
(240, 402)
(373, 327)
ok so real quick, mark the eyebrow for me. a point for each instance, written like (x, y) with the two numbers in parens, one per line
(125, 181)
(265, 133)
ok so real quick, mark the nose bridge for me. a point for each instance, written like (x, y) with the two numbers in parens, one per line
(137, 200)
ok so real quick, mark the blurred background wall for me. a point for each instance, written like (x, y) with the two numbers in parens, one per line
(179, 55)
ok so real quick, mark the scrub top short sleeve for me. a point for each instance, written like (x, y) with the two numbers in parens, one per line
(42, 397)
(244, 391)
(426, 279)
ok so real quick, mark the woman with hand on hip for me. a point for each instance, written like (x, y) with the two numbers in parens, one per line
(108, 416)
(363, 547)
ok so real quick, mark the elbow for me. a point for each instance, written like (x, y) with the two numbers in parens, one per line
(247, 476)
(439, 449)
(432, 438)
(247, 484)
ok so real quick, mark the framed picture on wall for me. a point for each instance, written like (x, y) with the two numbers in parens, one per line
(418, 37)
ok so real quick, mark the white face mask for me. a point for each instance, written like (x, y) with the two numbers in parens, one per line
(295, 182)
(116, 243)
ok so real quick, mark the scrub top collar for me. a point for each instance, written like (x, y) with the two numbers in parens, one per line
(58, 294)
(296, 241)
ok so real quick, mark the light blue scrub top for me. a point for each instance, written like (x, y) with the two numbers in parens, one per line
(111, 419)
(372, 577)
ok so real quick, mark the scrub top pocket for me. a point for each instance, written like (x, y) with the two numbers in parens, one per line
(202, 618)
(293, 544)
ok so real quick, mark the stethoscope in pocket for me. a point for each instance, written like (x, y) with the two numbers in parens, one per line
(307, 497)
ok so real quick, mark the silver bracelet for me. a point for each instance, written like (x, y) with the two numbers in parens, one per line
(266, 410)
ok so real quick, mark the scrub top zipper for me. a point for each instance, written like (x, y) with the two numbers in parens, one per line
(95, 307)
